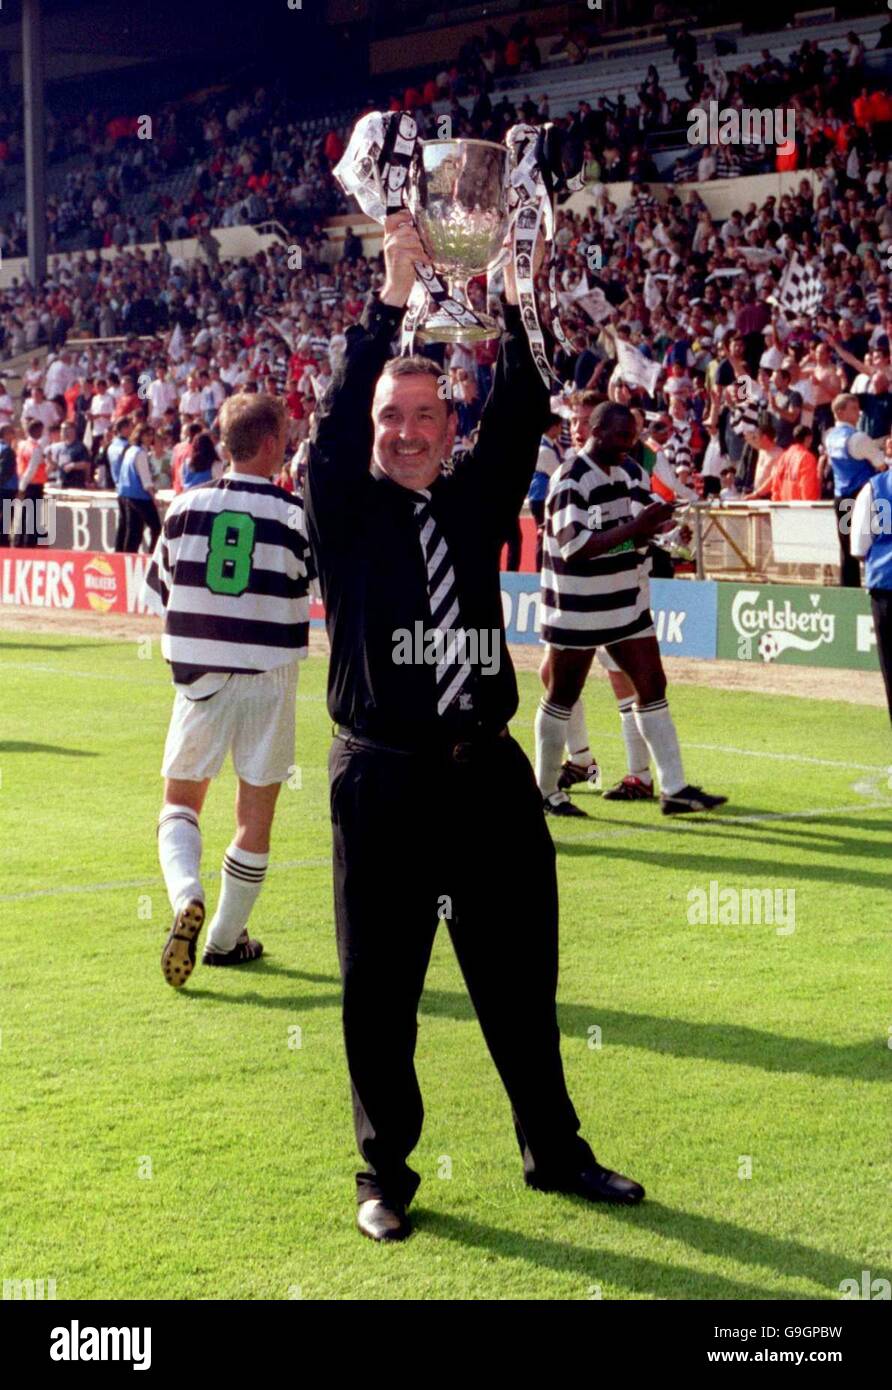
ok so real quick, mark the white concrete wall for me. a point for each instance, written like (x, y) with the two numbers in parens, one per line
(721, 196)
(233, 242)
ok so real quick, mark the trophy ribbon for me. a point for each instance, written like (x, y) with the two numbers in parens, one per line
(532, 209)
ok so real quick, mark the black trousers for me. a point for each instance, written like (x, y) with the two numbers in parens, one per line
(849, 566)
(515, 543)
(415, 842)
(537, 509)
(28, 536)
(121, 528)
(7, 497)
(139, 513)
(881, 606)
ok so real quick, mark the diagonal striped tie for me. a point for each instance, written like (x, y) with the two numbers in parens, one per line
(454, 678)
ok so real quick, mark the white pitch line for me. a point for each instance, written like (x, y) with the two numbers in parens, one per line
(99, 675)
(286, 864)
(860, 809)
(687, 823)
(120, 884)
(789, 757)
(315, 699)
(65, 671)
(774, 757)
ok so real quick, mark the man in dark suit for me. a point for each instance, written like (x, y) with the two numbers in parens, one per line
(407, 545)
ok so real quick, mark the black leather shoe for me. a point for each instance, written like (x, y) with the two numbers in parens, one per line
(381, 1220)
(599, 1184)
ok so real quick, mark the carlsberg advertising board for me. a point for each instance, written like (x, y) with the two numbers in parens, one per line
(796, 626)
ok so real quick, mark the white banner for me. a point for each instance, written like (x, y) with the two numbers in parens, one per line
(636, 369)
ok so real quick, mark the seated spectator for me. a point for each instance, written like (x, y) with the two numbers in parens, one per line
(72, 460)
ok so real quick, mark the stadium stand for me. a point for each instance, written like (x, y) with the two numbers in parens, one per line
(676, 281)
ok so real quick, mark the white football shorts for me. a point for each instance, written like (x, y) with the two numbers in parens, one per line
(254, 715)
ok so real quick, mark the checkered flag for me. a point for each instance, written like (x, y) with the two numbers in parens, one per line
(801, 289)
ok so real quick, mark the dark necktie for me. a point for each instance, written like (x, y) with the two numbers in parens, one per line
(454, 675)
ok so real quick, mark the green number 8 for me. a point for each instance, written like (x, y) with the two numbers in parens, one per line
(230, 552)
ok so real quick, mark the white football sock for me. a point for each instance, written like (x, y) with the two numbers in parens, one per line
(179, 850)
(637, 753)
(657, 728)
(241, 880)
(551, 733)
(577, 737)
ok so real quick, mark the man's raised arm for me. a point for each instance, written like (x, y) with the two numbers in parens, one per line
(341, 442)
(514, 416)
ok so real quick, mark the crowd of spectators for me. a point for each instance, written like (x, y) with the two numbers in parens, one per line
(688, 294)
(248, 325)
(246, 156)
(243, 155)
(745, 390)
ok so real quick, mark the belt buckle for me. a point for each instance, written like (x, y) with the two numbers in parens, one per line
(461, 751)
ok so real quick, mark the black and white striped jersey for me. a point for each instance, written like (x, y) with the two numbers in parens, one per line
(748, 402)
(230, 576)
(677, 447)
(592, 602)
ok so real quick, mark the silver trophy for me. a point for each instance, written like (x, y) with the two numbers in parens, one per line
(458, 197)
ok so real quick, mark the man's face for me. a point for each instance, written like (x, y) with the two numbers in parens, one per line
(850, 413)
(580, 425)
(617, 438)
(414, 432)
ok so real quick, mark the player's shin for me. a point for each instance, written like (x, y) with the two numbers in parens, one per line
(657, 727)
(637, 751)
(241, 880)
(577, 737)
(551, 733)
(179, 850)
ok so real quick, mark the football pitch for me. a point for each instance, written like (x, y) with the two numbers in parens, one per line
(726, 1048)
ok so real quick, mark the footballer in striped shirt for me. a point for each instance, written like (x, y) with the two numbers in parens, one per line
(599, 517)
(230, 576)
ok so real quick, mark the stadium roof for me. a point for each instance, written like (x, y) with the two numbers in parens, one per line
(89, 35)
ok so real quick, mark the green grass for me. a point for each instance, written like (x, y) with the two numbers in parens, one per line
(718, 1042)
